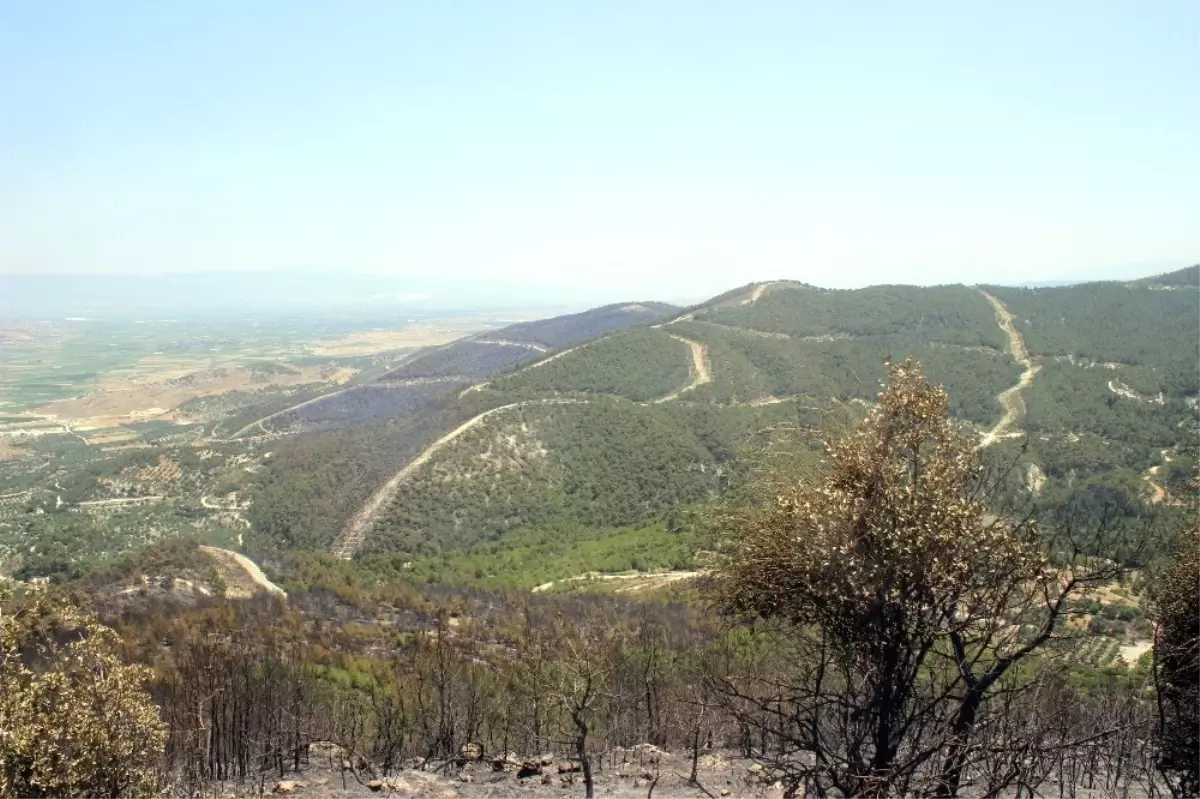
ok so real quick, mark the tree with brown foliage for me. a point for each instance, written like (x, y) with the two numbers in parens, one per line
(910, 605)
(74, 719)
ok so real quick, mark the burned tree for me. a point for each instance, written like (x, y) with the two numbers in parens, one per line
(907, 605)
(1177, 668)
(580, 684)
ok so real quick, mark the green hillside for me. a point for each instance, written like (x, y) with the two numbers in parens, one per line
(1188, 276)
(1118, 361)
(601, 464)
(614, 437)
(749, 366)
(950, 314)
(1142, 332)
(639, 364)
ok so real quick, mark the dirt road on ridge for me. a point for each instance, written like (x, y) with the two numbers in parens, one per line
(503, 342)
(699, 373)
(1010, 398)
(550, 359)
(759, 290)
(355, 531)
(260, 422)
(237, 560)
(412, 381)
(523, 369)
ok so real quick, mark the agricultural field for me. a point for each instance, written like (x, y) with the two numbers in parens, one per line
(115, 434)
(162, 360)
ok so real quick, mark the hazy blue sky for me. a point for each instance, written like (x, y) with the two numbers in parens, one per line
(608, 144)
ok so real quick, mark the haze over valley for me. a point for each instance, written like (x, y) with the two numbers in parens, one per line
(312, 459)
(662, 395)
(474, 400)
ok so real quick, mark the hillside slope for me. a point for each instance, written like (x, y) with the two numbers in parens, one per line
(1113, 409)
(604, 436)
(422, 380)
(361, 436)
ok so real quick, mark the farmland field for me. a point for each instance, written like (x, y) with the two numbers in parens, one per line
(41, 362)
(111, 431)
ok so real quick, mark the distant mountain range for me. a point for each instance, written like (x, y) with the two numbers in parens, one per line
(31, 296)
(240, 293)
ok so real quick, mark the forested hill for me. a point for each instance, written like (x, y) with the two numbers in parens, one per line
(585, 435)
(1188, 276)
(488, 353)
(422, 382)
(566, 331)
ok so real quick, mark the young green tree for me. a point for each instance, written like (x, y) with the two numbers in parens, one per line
(910, 605)
(74, 720)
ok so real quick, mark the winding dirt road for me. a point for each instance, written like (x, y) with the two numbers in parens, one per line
(67, 428)
(522, 370)
(403, 361)
(687, 317)
(545, 361)
(260, 422)
(1158, 494)
(699, 373)
(413, 381)
(503, 342)
(100, 503)
(749, 331)
(231, 559)
(234, 512)
(1010, 398)
(1122, 390)
(355, 531)
(636, 580)
(759, 290)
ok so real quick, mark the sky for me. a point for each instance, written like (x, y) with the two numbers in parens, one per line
(651, 149)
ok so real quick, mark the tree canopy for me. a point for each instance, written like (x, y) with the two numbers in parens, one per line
(74, 719)
(900, 585)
